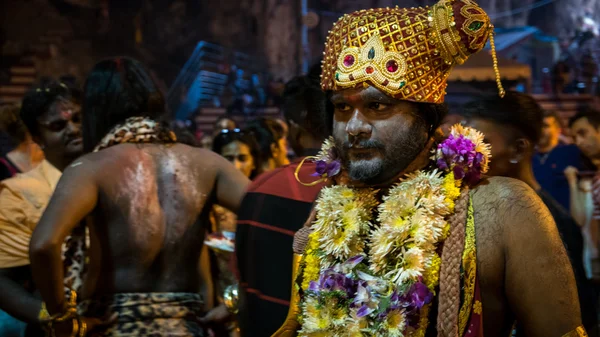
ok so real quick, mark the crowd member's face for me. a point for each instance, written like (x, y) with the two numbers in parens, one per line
(502, 150)
(587, 138)
(60, 130)
(377, 136)
(281, 152)
(239, 154)
(550, 132)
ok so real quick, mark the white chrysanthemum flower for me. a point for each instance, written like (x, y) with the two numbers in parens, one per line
(394, 324)
(343, 215)
(315, 317)
(411, 267)
(356, 325)
(328, 144)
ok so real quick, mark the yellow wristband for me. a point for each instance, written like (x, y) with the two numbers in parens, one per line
(579, 332)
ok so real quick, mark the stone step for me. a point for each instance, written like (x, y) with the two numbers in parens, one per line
(13, 90)
(22, 71)
(10, 99)
(23, 80)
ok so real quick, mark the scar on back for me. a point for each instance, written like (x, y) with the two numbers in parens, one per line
(76, 164)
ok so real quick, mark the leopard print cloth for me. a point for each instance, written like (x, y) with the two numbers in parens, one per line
(148, 314)
(137, 130)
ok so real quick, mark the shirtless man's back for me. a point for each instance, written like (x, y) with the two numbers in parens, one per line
(147, 209)
(151, 216)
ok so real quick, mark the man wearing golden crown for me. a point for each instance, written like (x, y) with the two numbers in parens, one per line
(409, 238)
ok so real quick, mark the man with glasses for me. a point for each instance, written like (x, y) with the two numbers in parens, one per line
(54, 121)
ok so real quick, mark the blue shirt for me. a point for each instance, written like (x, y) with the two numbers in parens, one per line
(549, 168)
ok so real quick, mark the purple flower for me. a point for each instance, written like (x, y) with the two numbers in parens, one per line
(460, 155)
(325, 169)
(313, 286)
(364, 311)
(419, 295)
(333, 281)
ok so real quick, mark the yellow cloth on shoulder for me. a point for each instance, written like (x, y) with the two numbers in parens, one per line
(23, 199)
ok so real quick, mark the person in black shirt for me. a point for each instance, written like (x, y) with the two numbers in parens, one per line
(513, 125)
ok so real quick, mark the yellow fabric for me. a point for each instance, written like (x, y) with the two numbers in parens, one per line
(469, 266)
(23, 199)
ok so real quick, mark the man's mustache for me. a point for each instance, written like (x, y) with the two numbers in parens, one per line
(363, 144)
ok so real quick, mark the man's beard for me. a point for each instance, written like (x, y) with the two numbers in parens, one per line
(393, 158)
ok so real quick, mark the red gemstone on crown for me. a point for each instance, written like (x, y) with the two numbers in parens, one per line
(369, 70)
(348, 60)
(392, 66)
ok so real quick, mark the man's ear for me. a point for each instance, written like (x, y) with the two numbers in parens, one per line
(521, 149)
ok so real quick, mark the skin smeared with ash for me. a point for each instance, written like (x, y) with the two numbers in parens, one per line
(179, 192)
(140, 190)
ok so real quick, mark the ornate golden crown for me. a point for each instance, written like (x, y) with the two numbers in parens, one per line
(406, 53)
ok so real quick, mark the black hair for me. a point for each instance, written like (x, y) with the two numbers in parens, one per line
(39, 99)
(266, 132)
(586, 111)
(116, 90)
(305, 104)
(12, 125)
(226, 137)
(184, 136)
(520, 112)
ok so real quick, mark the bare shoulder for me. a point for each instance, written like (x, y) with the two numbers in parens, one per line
(202, 156)
(508, 204)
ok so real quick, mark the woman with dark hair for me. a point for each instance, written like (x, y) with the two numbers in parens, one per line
(26, 154)
(272, 143)
(146, 200)
(241, 149)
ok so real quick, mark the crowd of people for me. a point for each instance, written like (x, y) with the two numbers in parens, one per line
(358, 214)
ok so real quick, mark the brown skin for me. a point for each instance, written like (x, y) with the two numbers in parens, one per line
(60, 136)
(511, 155)
(523, 269)
(550, 136)
(502, 270)
(145, 215)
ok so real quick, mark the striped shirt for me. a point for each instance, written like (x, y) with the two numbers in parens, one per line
(275, 207)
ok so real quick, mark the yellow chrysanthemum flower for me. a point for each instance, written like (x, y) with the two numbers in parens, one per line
(452, 191)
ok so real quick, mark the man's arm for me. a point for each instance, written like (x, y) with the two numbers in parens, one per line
(15, 299)
(231, 185)
(539, 282)
(74, 198)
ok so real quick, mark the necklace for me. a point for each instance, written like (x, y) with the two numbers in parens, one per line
(373, 267)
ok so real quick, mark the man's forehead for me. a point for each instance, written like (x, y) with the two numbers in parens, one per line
(61, 108)
(355, 95)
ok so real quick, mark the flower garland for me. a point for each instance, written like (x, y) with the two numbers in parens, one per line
(362, 279)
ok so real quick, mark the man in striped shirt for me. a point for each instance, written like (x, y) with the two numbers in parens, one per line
(274, 208)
